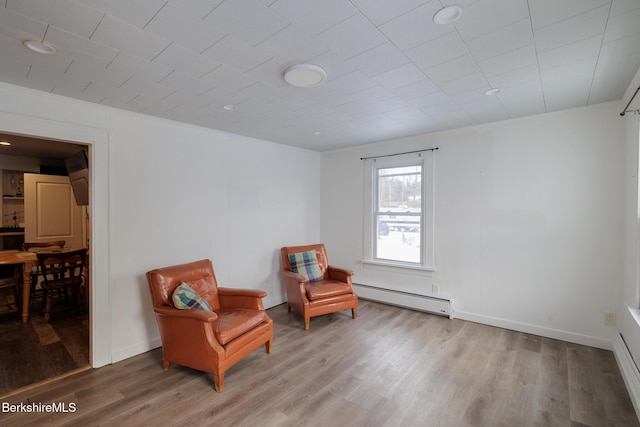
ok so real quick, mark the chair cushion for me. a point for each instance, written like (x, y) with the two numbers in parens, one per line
(184, 297)
(233, 322)
(306, 263)
(326, 288)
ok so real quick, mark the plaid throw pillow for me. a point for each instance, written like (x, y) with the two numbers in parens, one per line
(306, 263)
(184, 297)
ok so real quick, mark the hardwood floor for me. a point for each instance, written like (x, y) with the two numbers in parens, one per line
(389, 367)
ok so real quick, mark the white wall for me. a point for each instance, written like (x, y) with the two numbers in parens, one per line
(181, 193)
(528, 221)
(166, 193)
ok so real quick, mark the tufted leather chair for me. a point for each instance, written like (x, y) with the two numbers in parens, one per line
(201, 339)
(334, 292)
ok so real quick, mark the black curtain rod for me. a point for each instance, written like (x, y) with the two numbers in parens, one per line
(400, 154)
(630, 101)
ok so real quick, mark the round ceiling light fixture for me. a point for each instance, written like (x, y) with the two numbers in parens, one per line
(39, 47)
(447, 15)
(493, 91)
(305, 75)
(230, 107)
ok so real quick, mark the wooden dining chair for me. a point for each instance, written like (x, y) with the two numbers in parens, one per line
(62, 271)
(10, 276)
(36, 275)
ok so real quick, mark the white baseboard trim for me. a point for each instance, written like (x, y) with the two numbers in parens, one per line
(629, 371)
(135, 350)
(272, 301)
(536, 330)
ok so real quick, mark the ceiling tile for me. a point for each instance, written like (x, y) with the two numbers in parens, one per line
(381, 11)
(179, 58)
(291, 46)
(137, 13)
(490, 15)
(468, 83)
(230, 78)
(172, 23)
(572, 52)
(249, 20)
(622, 26)
(76, 46)
(400, 76)
(269, 72)
(128, 65)
(573, 29)
(236, 54)
(568, 85)
(452, 70)
(503, 40)
(351, 37)
(120, 35)
(613, 61)
(198, 8)
(12, 49)
(516, 77)
(548, 12)
(82, 22)
(438, 51)
(510, 61)
(415, 27)
(523, 100)
(619, 7)
(380, 59)
(350, 83)
(314, 17)
(20, 27)
(417, 89)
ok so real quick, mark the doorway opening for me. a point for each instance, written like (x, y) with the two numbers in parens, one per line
(40, 350)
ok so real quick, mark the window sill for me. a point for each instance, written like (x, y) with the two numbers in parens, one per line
(635, 313)
(398, 265)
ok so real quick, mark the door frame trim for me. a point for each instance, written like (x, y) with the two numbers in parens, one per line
(100, 320)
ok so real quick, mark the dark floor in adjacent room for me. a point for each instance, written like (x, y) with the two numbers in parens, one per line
(36, 351)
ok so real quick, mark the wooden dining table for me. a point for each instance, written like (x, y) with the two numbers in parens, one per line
(24, 262)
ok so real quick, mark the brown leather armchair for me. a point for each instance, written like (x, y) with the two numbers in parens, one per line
(333, 292)
(210, 341)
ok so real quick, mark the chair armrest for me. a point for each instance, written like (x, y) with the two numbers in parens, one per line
(295, 285)
(341, 274)
(241, 298)
(191, 329)
(288, 275)
(194, 313)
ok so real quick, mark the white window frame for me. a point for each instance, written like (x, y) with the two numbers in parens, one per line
(427, 244)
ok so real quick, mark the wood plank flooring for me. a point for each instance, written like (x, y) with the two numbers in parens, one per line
(389, 367)
(35, 351)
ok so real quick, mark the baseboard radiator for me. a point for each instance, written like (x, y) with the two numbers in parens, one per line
(629, 370)
(435, 305)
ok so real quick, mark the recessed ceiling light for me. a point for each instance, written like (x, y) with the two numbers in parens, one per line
(5, 143)
(39, 47)
(305, 75)
(493, 91)
(447, 15)
(317, 132)
(230, 107)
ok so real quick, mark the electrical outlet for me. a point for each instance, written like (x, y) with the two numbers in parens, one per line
(609, 318)
(435, 289)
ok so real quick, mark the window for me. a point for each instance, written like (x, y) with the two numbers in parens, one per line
(399, 224)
